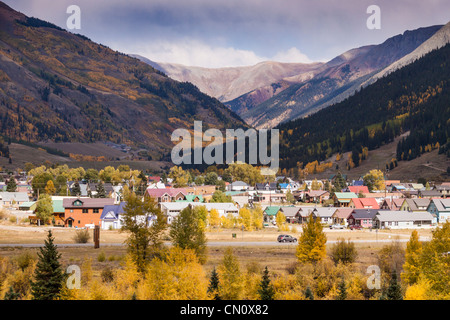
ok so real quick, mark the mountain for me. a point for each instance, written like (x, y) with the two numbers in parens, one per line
(411, 101)
(226, 84)
(62, 87)
(337, 80)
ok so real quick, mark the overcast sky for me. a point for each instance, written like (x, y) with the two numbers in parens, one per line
(224, 33)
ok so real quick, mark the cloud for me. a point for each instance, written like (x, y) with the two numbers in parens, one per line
(291, 55)
(194, 52)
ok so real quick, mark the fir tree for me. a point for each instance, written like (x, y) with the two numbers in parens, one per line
(101, 193)
(49, 275)
(308, 294)
(266, 290)
(11, 294)
(11, 186)
(213, 287)
(342, 290)
(394, 291)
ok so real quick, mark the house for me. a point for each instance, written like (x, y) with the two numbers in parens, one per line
(92, 188)
(342, 199)
(238, 186)
(363, 203)
(325, 214)
(172, 209)
(316, 196)
(58, 212)
(111, 216)
(391, 204)
(269, 197)
(13, 198)
(201, 190)
(291, 213)
(28, 206)
(304, 213)
(341, 215)
(415, 205)
(167, 194)
(440, 208)
(270, 213)
(402, 220)
(362, 217)
(444, 190)
(192, 198)
(272, 186)
(429, 194)
(84, 212)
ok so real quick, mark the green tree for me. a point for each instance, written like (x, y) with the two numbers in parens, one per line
(343, 251)
(214, 283)
(342, 290)
(76, 190)
(101, 193)
(187, 232)
(49, 275)
(219, 196)
(11, 186)
(179, 176)
(44, 208)
(266, 290)
(394, 291)
(312, 243)
(145, 223)
(309, 294)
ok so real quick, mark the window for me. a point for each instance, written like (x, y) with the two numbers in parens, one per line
(85, 210)
(96, 210)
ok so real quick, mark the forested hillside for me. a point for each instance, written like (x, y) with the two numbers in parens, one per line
(415, 98)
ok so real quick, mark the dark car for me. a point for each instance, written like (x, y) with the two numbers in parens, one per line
(286, 238)
(355, 227)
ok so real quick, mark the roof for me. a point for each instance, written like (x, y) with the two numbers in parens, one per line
(403, 216)
(27, 204)
(290, 211)
(156, 193)
(239, 184)
(343, 213)
(358, 189)
(191, 197)
(430, 193)
(364, 213)
(361, 203)
(112, 212)
(271, 210)
(345, 195)
(227, 206)
(324, 211)
(14, 196)
(306, 211)
(442, 205)
(57, 206)
(414, 204)
(87, 202)
(316, 193)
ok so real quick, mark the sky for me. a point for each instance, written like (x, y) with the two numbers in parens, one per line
(229, 33)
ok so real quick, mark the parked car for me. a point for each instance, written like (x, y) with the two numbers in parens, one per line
(286, 238)
(355, 227)
(337, 226)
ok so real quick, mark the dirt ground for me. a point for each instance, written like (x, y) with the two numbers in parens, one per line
(277, 258)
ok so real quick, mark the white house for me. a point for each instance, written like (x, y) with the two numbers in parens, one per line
(440, 208)
(402, 220)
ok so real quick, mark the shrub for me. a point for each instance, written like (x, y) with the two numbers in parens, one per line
(343, 251)
(101, 257)
(82, 236)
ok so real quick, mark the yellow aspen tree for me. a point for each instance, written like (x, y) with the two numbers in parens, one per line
(312, 243)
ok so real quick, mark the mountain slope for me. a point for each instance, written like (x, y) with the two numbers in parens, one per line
(412, 99)
(226, 84)
(59, 86)
(339, 79)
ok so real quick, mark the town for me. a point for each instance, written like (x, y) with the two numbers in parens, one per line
(338, 204)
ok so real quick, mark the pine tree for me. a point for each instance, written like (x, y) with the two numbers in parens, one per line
(11, 294)
(266, 290)
(342, 290)
(101, 193)
(49, 275)
(11, 186)
(394, 291)
(76, 190)
(213, 287)
(308, 294)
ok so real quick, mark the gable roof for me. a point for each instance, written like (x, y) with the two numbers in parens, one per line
(362, 203)
(345, 195)
(358, 189)
(289, 211)
(14, 196)
(414, 204)
(343, 213)
(403, 216)
(58, 206)
(171, 192)
(364, 213)
(271, 210)
(442, 205)
(324, 211)
(112, 212)
(87, 202)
